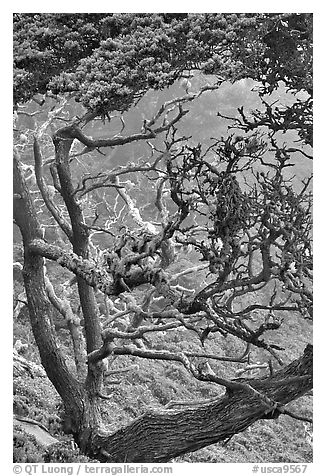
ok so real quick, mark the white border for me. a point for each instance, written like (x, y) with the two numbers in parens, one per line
(319, 195)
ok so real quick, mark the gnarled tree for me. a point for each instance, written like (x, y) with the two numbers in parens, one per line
(211, 237)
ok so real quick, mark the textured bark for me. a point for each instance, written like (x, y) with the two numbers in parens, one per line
(40, 309)
(62, 141)
(93, 275)
(82, 413)
(79, 238)
(75, 330)
(159, 436)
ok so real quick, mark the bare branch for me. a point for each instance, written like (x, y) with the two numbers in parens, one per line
(137, 334)
(46, 193)
(284, 411)
(197, 372)
(73, 324)
(248, 368)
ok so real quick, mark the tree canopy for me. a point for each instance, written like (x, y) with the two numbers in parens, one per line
(155, 233)
(109, 60)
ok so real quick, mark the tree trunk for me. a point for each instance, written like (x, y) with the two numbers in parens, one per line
(161, 435)
(40, 309)
(62, 141)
